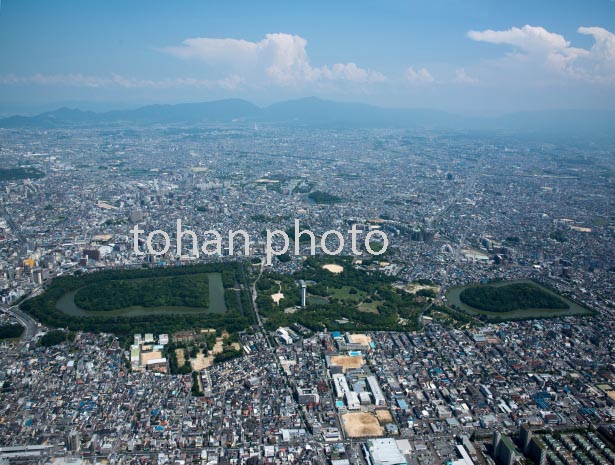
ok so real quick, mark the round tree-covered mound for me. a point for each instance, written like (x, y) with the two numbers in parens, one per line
(11, 331)
(168, 291)
(510, 297)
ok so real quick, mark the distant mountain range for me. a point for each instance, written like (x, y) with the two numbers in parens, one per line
(323, 113)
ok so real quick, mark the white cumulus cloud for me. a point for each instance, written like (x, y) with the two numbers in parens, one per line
(528, 38)
(537, 46)
(418, 76)
(279, 58)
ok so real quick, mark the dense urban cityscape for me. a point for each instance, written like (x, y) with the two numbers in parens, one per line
(307, 233)
(290, 386)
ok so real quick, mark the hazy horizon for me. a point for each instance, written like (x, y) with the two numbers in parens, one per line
(468, 58)
(35, 109)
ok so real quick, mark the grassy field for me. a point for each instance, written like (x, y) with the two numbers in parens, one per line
(574, 309)
(344, 293)
(369, 307)
(317, 300)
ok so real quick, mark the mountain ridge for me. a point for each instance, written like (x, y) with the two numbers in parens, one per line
(318, 112)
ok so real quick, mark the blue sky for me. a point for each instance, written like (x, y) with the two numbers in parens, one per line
(469, 57)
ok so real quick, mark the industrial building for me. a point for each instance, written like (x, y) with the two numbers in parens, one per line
(282, 334)
(374, 387)
(383, 452)
(340, 384)
(307, 396)
(465, 457)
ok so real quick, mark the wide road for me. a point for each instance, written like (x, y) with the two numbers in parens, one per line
(16, 230)
(270, 346)
(254, 294)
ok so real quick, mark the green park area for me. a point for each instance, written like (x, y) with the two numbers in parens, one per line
(13, 174)
(323, 197)
(348, 298)
(157, 300)
(512, 300)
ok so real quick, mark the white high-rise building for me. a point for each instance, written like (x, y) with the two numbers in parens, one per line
(303, 292)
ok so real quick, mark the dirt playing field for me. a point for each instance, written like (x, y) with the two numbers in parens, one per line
(201, 362)
(334, 268)
(179, 354)
(384, 417)
(360, 425)
(278, 295)
(360, 339)
(205, 361)
(346, 361)
(218, 346)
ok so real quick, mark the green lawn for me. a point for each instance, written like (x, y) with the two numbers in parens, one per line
(344, 293)
(370, 307)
